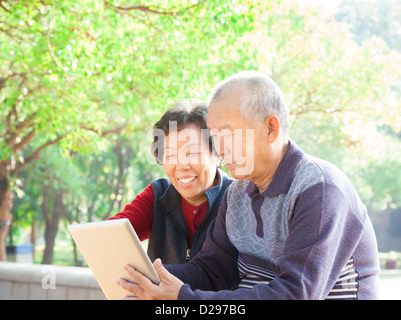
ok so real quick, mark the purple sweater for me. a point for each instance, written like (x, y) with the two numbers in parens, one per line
(307, 236)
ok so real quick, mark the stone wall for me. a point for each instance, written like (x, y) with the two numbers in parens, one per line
(25, 281)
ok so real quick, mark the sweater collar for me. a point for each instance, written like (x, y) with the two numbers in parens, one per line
(284, 175)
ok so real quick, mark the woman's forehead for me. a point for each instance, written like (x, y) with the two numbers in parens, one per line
(190, 136)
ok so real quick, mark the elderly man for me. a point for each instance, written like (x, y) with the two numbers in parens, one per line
(290, 227)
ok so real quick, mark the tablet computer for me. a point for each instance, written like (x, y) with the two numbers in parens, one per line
(107, 246)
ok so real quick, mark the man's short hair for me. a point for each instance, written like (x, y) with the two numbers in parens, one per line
(260, 96)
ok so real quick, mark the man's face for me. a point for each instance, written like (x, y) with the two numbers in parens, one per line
(237, 140)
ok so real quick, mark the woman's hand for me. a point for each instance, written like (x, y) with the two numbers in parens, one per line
(144, 289)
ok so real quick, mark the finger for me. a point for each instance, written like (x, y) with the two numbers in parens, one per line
(131, 287)
(142, 280)
(160, 269)
(157, 263)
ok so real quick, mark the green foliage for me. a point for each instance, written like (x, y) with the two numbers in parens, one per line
(83, 82)
(70, 68)
(73, 73)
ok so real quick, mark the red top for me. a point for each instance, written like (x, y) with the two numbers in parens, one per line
(140, 213)
(193, 216)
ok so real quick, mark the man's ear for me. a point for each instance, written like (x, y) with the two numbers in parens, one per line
(272, 124)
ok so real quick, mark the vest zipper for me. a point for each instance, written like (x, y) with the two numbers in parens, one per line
(188, 256)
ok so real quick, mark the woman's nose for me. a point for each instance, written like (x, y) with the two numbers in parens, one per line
(183, 163)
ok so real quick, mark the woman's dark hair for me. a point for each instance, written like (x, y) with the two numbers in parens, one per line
(182, 114)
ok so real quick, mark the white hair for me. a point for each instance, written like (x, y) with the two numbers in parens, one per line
(260, 96)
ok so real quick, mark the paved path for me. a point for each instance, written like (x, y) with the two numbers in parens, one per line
(390, 287)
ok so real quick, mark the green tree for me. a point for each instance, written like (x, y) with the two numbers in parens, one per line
(339, 92)
(49, 185)
(72, 72)
(378, 174)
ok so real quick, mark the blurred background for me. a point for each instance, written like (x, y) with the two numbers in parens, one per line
(83, 82)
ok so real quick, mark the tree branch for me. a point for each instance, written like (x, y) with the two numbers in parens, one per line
(35, 155)
(149, 9)
(4, 80)
(13, 111)
(157, 10)
(12, 134)
(2, 6)
(103, 133)
(49, 48)
(24, 141)
(22, 125)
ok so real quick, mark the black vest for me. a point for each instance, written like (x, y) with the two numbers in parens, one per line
(168, 235)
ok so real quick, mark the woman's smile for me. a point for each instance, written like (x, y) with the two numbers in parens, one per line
(187, 181)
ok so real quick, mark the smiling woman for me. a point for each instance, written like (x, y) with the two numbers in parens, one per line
(190, 165)
(175, 212)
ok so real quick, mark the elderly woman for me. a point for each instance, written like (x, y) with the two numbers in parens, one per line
(175, 213)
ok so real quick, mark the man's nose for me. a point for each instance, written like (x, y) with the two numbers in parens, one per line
(222, 145)
(226, 148)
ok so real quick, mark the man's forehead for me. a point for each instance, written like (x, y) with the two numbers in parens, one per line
(230, 101)
(222, 116)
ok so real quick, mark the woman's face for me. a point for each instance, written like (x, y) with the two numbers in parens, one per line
(189, 164)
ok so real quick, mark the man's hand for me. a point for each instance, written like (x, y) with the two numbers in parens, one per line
(144, 289)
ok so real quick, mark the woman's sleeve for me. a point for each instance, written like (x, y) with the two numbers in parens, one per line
(140, 212)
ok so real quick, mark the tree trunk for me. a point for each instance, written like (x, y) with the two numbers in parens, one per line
(77, 260)
(52, 222)
(5, 216)
(34, 234)
(50, 237)
(124, 156)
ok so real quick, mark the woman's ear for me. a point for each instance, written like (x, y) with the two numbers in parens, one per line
(218, 159)
(272, 124)
(220, 162)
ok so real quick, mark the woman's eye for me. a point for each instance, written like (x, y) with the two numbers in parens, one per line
(170, 157)
(192, 154)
